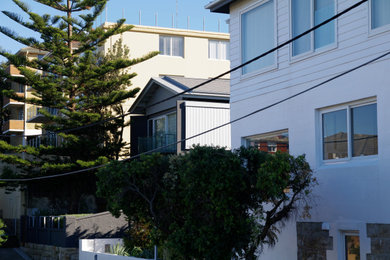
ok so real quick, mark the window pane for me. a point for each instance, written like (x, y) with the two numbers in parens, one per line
(334, 134)
(165, 45)
(178, 46)
(213, 49)
(270, 143)
(301, 21)
(380, 13)
(159, 126)
(364, 130)
(257, 36)
(224, 50)
(352, 247)
(172, 123)
(325, 35)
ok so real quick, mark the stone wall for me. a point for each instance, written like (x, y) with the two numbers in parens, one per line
(47, 252)
(313, 241)
(380, 241)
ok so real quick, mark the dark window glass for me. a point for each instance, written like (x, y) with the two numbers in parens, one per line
(335, 136)
(364, 130)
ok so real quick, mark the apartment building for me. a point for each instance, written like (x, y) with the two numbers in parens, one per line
(341, 126)
(18, 126)
(183, 53)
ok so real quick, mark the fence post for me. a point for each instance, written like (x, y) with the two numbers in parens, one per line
(155, 252)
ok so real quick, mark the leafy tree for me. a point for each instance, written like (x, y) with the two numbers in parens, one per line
(76, 81)
(3, 235)
(209, 203)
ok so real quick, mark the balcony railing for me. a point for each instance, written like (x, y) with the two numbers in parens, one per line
(34, 115)
(7, 101)
(13, 125)
(153, 142)
(48, 139)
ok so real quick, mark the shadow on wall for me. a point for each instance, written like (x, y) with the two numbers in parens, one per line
(41, 230)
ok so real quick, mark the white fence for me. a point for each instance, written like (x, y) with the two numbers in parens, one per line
(97, 249)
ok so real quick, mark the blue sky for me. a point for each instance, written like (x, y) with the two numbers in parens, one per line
(165, 9)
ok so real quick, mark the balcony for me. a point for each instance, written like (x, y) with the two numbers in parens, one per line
(13, 71)
(33, 115)
(153, 142)
(13, 125)
(48, 139)
(9, 101)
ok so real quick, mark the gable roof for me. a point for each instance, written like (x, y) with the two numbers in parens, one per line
(219, 6)
(218, 89)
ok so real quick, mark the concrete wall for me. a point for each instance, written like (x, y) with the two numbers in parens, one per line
(351, 193)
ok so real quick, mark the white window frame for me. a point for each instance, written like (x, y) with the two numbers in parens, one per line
(348, 108)
(312, 51)
(375, 31)
(219, 51)
(171, 45)
(275, 64)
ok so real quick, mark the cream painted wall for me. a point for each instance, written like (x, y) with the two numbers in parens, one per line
(195, 64)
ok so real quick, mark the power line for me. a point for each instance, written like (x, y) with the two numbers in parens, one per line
(217, 77)
(210, 130)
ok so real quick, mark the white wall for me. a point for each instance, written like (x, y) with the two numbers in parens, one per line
(352, 193)
(89, 248)
(202, 116)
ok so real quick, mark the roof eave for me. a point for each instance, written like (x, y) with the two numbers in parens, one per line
(219, 6)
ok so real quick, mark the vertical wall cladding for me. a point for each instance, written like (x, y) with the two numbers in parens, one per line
(380, 241)
(202, 116)
(313, 241)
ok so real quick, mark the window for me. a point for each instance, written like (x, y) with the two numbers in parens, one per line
(380, 10)
(258, 36)
(21, 115)
(270, 142)
(305, 14)
(21, 88)
(172, 46)
(218, 50)
(163, 125)
(350, 131)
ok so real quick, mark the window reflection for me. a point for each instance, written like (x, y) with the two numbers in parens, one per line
(270, 143)
(364, 130)
(335, 136)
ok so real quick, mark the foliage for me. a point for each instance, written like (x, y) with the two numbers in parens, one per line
(209, 203)
(119, 249)
(3, 235)
(73, 78)
(77, 81)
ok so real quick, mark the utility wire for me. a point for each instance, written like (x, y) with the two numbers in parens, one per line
(217, 77)
(210, 130)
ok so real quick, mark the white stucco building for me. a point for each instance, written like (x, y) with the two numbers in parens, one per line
(342, 127)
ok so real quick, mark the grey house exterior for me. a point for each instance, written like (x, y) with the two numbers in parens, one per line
(158, 126)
